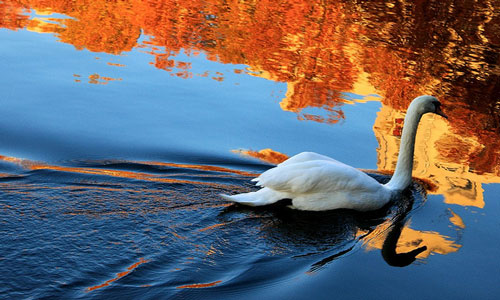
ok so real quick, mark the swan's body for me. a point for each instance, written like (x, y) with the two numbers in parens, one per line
(316, 182)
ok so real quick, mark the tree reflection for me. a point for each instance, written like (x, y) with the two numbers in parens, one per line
(445, 48)
(12, 15)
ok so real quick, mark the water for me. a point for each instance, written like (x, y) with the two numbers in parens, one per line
(122, 122)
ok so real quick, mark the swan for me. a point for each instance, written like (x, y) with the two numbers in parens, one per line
(314, 182)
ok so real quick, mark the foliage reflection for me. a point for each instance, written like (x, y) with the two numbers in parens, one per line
(321, 49)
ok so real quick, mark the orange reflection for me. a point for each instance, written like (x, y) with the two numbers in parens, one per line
(118, 275)
(98, 79)
(203, 167)
(395, 51)
(212, 227)
(267, 155)
(12, 15)
(456, 220)
(115, 64)
(44, 25)
(199, 285)
(32, 165)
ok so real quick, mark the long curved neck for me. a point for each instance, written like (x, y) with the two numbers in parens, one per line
(402, 176)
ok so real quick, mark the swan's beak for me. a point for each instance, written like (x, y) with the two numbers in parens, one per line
(440, 112)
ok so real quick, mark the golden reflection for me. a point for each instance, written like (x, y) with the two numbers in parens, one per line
(212, 227)
(115, 64)
(446, 159)
(118, 275)
(178, 236)
(44, 25)
(203, 168)
(267, 155)
(456, 220)
(199, 285)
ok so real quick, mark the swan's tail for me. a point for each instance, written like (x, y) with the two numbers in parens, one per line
(264, 196)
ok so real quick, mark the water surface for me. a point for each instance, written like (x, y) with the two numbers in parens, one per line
(122, 122)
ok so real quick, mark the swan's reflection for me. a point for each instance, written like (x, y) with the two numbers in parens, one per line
(391, 241)
(322, 237)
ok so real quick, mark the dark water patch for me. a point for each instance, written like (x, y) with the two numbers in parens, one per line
(133, 166)
(89, 220)
(100, 229)
(10, 178)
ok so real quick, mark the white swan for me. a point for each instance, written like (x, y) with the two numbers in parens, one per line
(315, 182)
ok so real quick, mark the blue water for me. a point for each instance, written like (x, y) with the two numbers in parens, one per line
(148, 112)
(112, 190)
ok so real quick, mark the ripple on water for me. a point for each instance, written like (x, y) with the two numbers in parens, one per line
(104, 228)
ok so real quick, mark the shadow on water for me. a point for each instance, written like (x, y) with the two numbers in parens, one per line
(159, 229)
(335, 233)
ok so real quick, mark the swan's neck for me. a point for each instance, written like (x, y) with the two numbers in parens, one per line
(402, 176)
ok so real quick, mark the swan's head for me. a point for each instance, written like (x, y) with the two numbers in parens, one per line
(427, 104)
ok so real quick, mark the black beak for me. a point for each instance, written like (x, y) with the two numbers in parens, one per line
(440, 112)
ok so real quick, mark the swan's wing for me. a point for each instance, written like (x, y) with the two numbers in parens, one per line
(317, 176)
(300, 158)
(306, 156)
